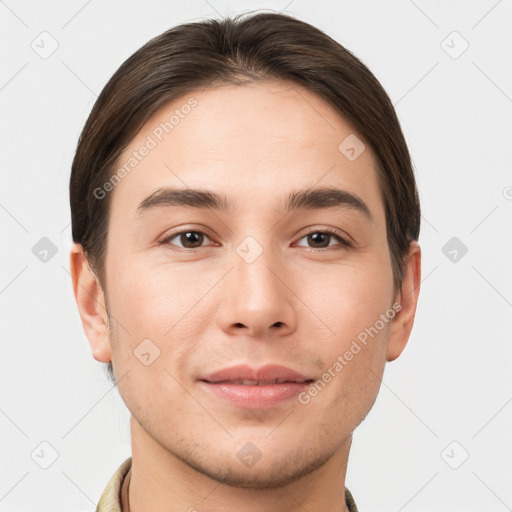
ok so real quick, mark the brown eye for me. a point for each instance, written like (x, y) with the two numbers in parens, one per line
(319, 239)
(322, 239)
(187, 239)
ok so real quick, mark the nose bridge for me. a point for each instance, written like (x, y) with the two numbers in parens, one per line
(255, 296)
(255, 268)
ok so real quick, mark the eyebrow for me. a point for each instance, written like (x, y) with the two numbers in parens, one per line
(314, 198)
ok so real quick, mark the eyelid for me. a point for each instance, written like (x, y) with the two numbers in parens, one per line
(202, 230)
(344, 239)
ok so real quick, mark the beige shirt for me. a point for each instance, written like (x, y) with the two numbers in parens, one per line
(115, 495)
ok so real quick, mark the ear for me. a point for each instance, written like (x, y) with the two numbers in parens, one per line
(401, 325)
(90, 300)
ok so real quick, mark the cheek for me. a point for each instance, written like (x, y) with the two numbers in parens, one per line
(156, 328)
(153, 298)
(349, 299)
(355, 303)
(160, 304)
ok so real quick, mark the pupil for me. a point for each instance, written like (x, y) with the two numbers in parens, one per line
(192, 237)
(317, 238)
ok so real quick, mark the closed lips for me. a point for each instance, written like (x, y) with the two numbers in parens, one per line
(259, 383)
(261, 388)
(266, 375)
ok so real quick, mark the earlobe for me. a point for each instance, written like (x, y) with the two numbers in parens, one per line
(91, 305)
(401, 325)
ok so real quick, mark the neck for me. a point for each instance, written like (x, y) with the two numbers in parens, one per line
(161, 481)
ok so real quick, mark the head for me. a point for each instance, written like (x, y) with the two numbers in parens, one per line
(242, 193)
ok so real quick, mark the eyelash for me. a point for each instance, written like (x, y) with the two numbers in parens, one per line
(343, 241)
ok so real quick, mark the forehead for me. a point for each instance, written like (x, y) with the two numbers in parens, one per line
(257, 139)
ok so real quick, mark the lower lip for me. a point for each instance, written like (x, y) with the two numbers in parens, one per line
(255, 397)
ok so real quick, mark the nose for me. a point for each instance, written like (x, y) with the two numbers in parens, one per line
(257, 297)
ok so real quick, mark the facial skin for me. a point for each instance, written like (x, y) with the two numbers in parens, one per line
(208, 308)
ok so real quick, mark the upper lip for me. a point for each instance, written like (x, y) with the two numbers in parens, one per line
(269, 373)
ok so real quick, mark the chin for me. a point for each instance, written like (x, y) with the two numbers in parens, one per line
(262, 475)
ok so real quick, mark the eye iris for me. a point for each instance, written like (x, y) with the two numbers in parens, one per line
(318, 237)
(191, 237)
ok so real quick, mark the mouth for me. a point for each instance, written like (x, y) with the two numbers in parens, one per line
(263, 388)
(245, 382)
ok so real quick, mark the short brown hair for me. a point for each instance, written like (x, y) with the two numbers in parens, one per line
(236, 50)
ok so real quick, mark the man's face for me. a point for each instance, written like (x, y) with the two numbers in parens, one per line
(253, 285)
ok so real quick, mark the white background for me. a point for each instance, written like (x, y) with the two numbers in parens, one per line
(452, 382)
